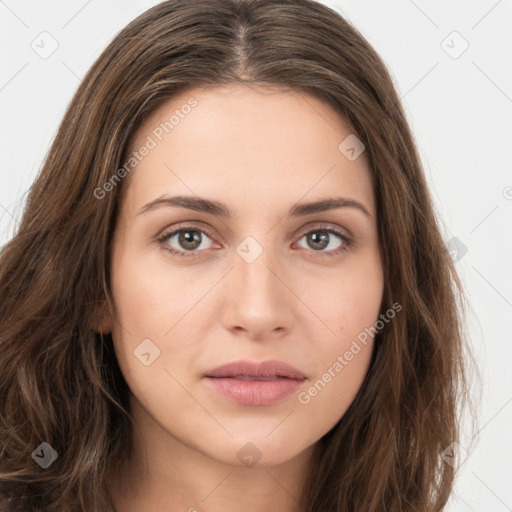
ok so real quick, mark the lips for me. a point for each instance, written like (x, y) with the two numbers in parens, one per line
(250, 370)
(252, 383)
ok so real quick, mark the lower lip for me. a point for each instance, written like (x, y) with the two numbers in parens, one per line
(254, 392)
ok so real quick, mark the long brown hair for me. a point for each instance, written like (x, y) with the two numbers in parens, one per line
(59, 380)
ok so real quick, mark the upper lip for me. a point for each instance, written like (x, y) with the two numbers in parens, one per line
(256, 369)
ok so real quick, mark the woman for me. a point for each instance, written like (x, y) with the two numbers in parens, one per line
(228, 288)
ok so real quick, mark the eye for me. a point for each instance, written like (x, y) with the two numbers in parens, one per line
(327, 237)
(189, 239)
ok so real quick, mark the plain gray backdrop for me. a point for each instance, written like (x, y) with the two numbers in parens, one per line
(451, 64)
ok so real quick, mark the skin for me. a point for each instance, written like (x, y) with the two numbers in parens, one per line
(259, 152)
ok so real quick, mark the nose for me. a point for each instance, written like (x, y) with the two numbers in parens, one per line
(259, 301)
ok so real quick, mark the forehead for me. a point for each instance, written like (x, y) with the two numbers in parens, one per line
(244, 145)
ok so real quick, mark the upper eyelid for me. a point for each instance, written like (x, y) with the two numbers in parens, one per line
(328, 226)
(176, 229)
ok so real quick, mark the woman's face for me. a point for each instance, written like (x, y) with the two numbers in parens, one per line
(272, 280)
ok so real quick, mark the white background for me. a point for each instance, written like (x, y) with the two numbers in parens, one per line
(460, 112)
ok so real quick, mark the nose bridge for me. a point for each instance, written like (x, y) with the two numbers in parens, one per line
(257, 299)
(255, 281)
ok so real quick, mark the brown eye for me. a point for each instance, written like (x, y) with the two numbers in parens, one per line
(189, 240)
(318, 240)
(326, 241)
(184, 240)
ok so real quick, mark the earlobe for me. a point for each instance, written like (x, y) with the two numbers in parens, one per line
(104, 323)
(103, 328)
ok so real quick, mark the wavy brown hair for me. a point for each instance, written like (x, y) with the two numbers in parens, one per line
(59, 380)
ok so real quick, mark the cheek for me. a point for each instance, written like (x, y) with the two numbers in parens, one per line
(136, 299)
(158, 303)
(139, 315)
(147, 308)
(341, 370)
(351, 301)
(149, 297)
(351, 305)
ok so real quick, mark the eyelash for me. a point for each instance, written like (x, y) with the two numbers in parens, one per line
(329, 228)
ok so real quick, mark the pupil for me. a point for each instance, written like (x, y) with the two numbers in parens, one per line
(315, 239)
(188, 238)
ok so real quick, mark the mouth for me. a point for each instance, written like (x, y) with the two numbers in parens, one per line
(252, 383)
(257, 370)
(252, 377)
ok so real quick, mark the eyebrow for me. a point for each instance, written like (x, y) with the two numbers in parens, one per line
(199, 204)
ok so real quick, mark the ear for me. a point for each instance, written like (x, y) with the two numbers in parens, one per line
(102, 323)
